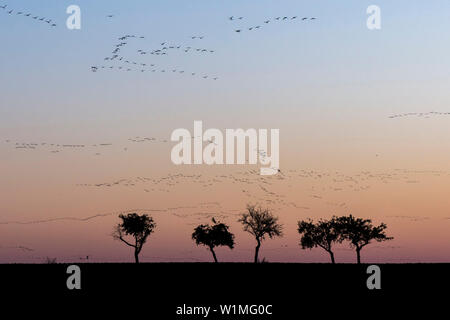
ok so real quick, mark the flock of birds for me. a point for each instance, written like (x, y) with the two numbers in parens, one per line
(130, 65)
(320, 189)
(271, 190)
(199, 206)
(269, 21)
(54, 147)
(60, 147)
(32, 16)
(127, 64)
(420, 114)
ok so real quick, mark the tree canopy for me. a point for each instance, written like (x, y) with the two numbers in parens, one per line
(213, 236)
(137, 226)
(322, 234)
(260, 223)
(361, 232)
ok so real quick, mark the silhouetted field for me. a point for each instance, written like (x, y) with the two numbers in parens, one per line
(287, 286)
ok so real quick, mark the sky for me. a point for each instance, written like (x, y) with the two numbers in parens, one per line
(331, 86)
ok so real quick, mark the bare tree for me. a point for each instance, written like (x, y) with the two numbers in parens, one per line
(361, 232)
(260, 223)
(213, 236)
(322, 234)
(136, 226)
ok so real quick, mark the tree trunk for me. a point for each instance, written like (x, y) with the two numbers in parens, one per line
(214, 254)
(358, 255)
(257, 250)
(136, 255)
(332, 257)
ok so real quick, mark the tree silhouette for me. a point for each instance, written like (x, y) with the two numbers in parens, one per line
(322, 234)
(260, 223)
(213, 236)
(361, 232)
(139, 227)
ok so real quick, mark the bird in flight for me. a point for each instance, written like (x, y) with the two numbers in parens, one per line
(237, 30)
(4, 7)
(109, 16)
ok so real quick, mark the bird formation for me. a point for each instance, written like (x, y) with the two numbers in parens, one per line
(131, 65)
(28, 15)
(54, 147)
(127, 64)
(22, 248)
(60, 147)
(152, 70)
(174, 210)
(420, 114)
(269, 21)
(324, 188)
(255, 188)
(165, 48)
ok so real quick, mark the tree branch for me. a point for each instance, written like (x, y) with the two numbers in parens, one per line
(120, 237)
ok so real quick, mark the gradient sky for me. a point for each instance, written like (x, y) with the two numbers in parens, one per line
(329, 85)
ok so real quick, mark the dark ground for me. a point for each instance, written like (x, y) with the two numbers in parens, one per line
(292, 289)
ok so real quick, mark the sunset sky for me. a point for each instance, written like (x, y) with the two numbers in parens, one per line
(330, 85)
